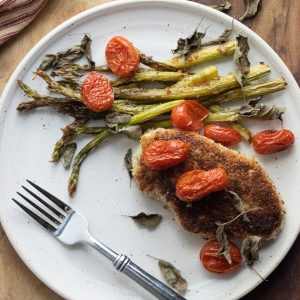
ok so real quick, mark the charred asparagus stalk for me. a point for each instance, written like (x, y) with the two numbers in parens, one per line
(253, 90)
(153, 112)
(54, 85)
(66, 138)
(203, 55)
(81, 156)
(212, 87)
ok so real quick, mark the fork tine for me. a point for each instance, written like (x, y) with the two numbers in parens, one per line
(58, 202)
(40, 220)
(43, 202)
(40, 209)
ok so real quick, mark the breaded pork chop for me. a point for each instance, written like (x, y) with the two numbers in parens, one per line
(247, 178)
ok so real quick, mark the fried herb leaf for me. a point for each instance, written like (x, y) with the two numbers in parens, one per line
(225, 6)
(240, 59)
(68, 154)
(186, 45)
(67, 56)
(251, 10)
(250, 249)
(261, 111)
(149, 221)
(172, 276)
(134, 132)
(223, 242)
(128, 161)
(114, 119)
(223, 38)
(238, 204)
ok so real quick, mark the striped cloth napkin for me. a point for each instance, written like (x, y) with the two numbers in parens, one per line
(15, 15)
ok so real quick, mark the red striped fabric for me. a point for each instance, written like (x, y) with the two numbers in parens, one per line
(15, 15)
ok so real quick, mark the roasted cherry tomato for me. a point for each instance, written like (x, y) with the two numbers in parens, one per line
(272, 141)
(189, 115)
(217, 263)
(96, 92)
(122, 57)
(224, 135)
(163, 154)
(194, 185)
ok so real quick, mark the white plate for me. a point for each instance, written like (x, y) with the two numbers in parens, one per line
(104, 193)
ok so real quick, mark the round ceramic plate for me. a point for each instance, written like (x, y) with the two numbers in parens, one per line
(104, 193)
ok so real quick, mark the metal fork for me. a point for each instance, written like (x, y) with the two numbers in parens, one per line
(72, 228)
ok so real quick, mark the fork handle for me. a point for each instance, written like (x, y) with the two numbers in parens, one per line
(150, 283)
(123, 264)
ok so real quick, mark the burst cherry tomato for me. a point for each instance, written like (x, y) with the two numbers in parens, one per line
(224, 135)
(272, 141)
(163, 154)
(217, 263)
(122, 57)
(194, 185)
(189, 115)
(96, 92)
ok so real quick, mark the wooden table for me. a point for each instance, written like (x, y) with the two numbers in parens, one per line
(278, 23)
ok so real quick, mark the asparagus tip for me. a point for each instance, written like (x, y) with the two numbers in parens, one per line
(72, 186)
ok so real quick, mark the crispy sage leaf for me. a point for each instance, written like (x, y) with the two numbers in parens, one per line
(250, 249)
(68, 154)
(172, 276)
(238, 204)
(134, 132)
(261, 111)
(149, 221)
(226, 5)
(128, 161)
(67, 56)
(114, 119)
(240, 59)
(186, 45)
(220, 40)
(223, 242)
(251, 10)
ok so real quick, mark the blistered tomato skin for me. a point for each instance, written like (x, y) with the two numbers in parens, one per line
(122, 57)
(189, 116)
(160, 155)
(223, 135)
(272, 141)
(96, 92)
(215, 262)
(194, 185)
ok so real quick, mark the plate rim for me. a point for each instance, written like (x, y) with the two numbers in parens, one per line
(81, 17)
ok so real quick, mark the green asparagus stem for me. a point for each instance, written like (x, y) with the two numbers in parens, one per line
(81, 156)
(54, 85)
(227, 116)
(81, 129)
(212, 87)
(131, 109)
(154, 111)
(77, 110)
(29, 92)
(29, 105)
(244, 132)
(159, 66)
(66, 138)
(150, 75)
(247, 91)
(203, 55)
(203, 75)
(156, 124)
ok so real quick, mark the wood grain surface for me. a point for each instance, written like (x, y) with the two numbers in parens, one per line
(277, 23)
